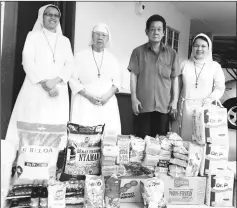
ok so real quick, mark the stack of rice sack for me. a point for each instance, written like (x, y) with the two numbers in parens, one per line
(37, 156)
(83, 155)
(210, 130)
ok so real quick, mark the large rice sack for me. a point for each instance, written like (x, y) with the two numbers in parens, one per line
(210, 125)
(38, 151)
(83, 149)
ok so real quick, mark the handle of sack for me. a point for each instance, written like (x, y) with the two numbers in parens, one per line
(216, 103)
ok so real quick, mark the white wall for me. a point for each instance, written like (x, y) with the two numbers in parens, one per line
(127, 28)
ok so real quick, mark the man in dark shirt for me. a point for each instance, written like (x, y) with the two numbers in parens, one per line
(154, 71)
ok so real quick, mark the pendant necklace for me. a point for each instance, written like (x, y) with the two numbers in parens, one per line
(53, 51)
(98, 68)
(197, 76)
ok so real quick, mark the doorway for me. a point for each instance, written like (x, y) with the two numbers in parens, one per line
(19, 19)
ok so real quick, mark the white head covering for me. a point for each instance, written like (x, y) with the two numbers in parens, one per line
(39, 22)
(209, 56)
(101, 27)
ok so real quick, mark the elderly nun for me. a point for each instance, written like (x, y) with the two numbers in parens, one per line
(47, 60)
(95, 81)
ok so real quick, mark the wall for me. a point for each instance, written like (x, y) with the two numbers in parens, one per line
(7, 63)
(127, 28)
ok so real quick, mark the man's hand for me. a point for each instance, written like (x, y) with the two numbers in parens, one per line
(172, 108)
(136, 106)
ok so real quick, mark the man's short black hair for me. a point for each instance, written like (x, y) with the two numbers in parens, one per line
(155, 18)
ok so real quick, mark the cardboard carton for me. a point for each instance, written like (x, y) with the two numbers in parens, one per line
(186, 190)
(130, 189)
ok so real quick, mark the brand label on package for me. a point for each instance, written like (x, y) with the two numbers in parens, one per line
(186, 190)
(220, 189)
(130, 189)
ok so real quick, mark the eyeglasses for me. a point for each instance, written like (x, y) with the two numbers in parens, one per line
(202, 46)
(57, 16)
(103, 35)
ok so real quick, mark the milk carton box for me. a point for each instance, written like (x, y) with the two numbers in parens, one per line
(219, 191)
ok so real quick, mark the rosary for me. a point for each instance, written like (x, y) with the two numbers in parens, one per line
(98, 68)
(197, 76)
(53, 52)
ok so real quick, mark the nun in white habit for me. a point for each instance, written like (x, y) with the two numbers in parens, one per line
(95, 81)
(47, 60)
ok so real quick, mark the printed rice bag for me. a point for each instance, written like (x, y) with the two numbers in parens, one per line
(112, 191)
(152, 146)
(57, 194)
(38, 151)
(94, 191)
(137, 149)
(83, 149)
(206, 119)
(152, 190)
(124, 149)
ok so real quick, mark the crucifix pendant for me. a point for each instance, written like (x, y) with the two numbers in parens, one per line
(196, 84)
(98, 75)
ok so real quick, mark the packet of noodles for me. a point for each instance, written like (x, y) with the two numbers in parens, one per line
(152, 145)
(137, 149)
(112, 191)
(38, 151)
(152, 190)
(94, 191)
(57, 194)
(123, 144)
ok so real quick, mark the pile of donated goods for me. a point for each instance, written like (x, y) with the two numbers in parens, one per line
(84, 165)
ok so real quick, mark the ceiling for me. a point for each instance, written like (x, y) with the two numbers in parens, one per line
(218, 19)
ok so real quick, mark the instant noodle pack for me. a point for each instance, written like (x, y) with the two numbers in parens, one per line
(103, 170)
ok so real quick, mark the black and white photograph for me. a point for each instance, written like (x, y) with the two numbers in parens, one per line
(118, 104)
